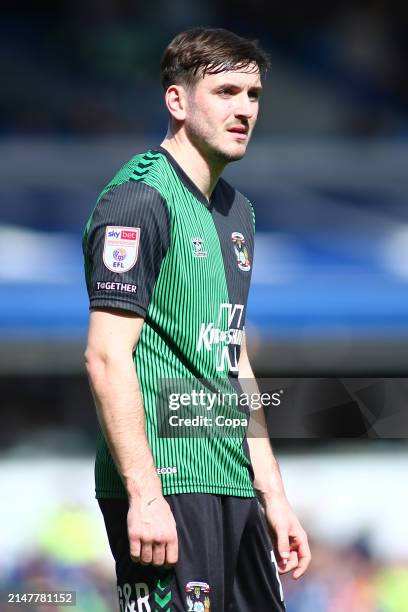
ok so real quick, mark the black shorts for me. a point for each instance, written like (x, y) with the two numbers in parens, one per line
(226, 561)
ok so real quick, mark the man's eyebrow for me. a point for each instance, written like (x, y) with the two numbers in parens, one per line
(235, 86)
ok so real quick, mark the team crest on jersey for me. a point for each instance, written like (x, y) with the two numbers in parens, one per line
(198, 247)
(121, 248)
(197, 599)
(241, 251)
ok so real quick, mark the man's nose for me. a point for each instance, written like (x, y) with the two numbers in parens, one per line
(245, 107)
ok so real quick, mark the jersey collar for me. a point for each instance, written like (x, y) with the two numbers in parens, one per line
(185, 179)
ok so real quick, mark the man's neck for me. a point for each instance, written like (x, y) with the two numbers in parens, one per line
(203, 174)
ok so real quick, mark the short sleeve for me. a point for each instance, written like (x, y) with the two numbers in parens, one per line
(127, 239)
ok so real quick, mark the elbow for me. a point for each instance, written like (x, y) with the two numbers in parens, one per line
(94, 363)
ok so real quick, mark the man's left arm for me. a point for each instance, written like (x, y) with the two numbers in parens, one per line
(289, 538)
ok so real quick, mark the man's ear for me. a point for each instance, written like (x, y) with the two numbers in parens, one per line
(176, 102)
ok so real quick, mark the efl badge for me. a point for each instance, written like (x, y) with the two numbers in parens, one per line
(197, 599)
(198, 248)
(121, 248)
(241, 251)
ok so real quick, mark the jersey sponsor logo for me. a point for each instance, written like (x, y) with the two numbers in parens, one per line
(198, 247)
(108, 286)
(197, 599)
(121, 248)
(241, 251)
(224, 339)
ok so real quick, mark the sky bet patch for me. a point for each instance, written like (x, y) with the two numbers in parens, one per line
(121, 248)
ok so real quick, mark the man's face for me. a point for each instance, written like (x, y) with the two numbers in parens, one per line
(221, 113)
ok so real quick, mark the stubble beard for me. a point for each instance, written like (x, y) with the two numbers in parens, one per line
(208, 148)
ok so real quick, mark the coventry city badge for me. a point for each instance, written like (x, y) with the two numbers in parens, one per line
(241, 251)
(197, 597)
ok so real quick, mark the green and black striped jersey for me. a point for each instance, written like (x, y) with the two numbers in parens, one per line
(156, 247)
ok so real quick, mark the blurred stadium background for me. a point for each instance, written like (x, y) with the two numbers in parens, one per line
(327, 173)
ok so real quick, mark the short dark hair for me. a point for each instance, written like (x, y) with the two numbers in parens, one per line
(194, 53)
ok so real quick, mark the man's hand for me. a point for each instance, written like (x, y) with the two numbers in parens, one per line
(152, 531)
(288, 537)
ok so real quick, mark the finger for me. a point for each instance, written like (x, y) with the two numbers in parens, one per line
(134, 549)
(159, 554)
(146, 553)
(304, 556)
(172, 552)
(282, 540)
(291, 564)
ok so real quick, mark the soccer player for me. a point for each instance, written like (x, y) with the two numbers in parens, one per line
(168, 256)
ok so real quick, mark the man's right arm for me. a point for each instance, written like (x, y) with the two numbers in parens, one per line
(112, 337)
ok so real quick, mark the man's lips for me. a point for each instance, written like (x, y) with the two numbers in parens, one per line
(240, 132)
(238, 129)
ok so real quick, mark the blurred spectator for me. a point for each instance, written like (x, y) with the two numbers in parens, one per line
(339, 580)
(106, 81)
